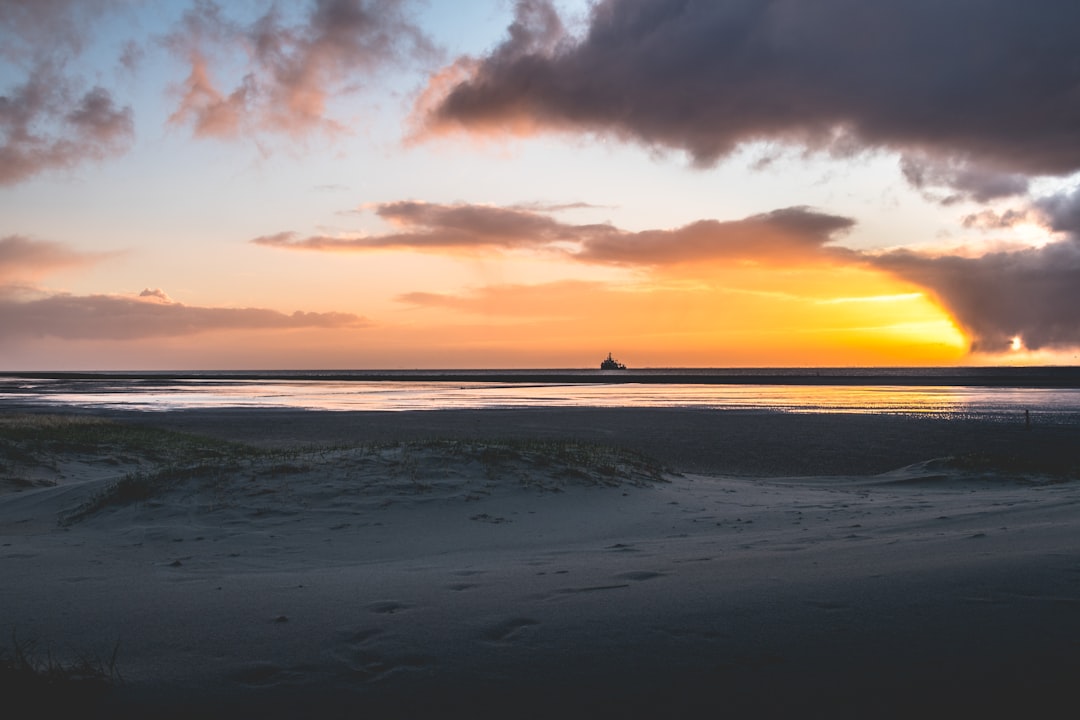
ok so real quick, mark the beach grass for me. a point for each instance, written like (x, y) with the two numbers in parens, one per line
(38, 680)
(35, 438)
(539, 464)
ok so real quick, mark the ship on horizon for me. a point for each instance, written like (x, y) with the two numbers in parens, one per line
(611, 363)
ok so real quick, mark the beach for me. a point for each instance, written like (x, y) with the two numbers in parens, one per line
(546, 563)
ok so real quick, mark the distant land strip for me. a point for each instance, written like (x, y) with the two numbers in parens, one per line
(1017, 377)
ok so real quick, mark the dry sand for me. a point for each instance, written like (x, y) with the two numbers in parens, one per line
(812, 566)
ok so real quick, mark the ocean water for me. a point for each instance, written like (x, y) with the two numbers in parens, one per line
(1047, 394)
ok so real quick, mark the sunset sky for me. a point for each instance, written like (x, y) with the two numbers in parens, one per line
(482, 183)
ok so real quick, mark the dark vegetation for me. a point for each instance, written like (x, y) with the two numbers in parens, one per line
(41, 684)
(157, 460)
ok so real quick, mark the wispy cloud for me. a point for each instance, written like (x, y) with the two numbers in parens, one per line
(291, 68)
(24, 259)
(50, 118)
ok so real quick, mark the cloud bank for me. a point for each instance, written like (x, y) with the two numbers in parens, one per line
(987, 85)
(110, 317)
(1032, 293)
(789, 235)
(117, 317)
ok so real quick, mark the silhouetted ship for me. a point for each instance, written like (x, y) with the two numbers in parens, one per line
(611, 364)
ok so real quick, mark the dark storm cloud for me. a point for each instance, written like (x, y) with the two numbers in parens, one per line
(989, 84)
(1033, 294)
(779, 237)
(108, 317)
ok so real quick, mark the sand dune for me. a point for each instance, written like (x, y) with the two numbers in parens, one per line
(484, 577)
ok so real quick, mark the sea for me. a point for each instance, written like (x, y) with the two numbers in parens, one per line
(1048, 395)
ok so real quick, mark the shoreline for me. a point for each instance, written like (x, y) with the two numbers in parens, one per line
(1050, 377)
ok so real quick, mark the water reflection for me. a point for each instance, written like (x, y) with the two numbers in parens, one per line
(391, 396)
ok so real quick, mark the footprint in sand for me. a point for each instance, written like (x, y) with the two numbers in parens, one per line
(621, 547)
(508, 630)
(458, 587)
(359, 637)
(640, 575)
(363, 662)
(591, 588)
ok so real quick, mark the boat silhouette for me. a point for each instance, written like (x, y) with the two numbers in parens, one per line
(611, 363)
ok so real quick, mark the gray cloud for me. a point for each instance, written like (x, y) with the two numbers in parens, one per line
(988, 84)
(45, 126)
(962, 180)
(49, 118)
(788, 235)
(1062, 211)
(993, 220)
(32, 28)
(292, 68)
(1032, 293)
(107, 317)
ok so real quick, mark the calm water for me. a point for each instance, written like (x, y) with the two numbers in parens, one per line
(941, 392)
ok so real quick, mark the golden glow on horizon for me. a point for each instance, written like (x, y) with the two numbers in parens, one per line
(822, 316)
(742, 316)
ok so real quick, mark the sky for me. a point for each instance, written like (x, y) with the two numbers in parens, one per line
(321, 184)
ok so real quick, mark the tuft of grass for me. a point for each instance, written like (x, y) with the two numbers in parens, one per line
(541, 463)
(586, 462)
(32, 679)
(30, 438)
(141, 486)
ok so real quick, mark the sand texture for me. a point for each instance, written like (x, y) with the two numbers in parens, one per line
(533, 564)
